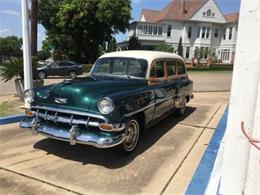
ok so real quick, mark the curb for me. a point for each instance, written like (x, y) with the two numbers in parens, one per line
(12, 119)
(200, 179)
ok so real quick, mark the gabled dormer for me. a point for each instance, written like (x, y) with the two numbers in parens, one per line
(209, 12)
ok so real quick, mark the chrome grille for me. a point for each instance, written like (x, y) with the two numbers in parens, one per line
(66, 117)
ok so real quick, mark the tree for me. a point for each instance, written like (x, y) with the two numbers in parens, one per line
(180, 47)
(111, 45)
(134, 43)
(78, 28)
(164, 47)
(10, 46)
(43, 55)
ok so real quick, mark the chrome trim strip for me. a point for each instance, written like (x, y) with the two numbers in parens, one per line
(69, 111)
(140, 110)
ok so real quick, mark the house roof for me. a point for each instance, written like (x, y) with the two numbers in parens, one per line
(232, 17)
(174, 11)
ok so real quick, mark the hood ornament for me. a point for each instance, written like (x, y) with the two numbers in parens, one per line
(61, 100)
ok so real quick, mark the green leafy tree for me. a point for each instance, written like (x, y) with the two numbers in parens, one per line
(164, 47)
(10, 46)
(134, 43)
(43, 55)
(180, 47)
(77, 28)
(111, 45)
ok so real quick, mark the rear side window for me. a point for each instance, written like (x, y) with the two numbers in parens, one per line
(157, 70)
(181, 68)
(171, 68)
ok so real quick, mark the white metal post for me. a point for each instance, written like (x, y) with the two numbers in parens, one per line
(240, 172)
(27, 60)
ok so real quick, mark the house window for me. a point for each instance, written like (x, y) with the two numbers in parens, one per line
(150, 31)
(203, 31)
(169, 31)
(225, 54)
(224, 34)
(198, 31)
(230, 33)
(140, 29)
(145, 30)
(189, 31)
(160, 30)
(155, 30)
(208, 32)
(216, 32)
(213, 14)
(209, 12)
(204, 13)
(187, 52)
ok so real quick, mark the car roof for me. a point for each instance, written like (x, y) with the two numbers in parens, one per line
(143, 54)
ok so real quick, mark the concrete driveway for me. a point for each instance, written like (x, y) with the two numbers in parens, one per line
(164, 162)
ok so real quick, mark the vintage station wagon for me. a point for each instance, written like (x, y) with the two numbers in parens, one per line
(124, 93)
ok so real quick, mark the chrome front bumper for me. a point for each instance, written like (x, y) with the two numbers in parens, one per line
(74, 134)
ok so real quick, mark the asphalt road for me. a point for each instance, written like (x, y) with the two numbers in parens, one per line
(214, 81)
(163, 163)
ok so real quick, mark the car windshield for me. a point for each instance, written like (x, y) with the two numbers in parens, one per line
(120, 67)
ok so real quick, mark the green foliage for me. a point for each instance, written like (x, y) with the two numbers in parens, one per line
(10, 46)
(134, 43)
(180, 47)
(77, 28)
(12, 69)
(111, 45)
(164, 47)
(43, 55)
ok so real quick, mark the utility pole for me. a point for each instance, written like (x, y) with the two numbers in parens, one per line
(27, 60)
(34, 25)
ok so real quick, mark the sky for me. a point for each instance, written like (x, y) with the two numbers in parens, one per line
(11, 24)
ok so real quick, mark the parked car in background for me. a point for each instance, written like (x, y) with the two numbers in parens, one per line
(125, 93)
(60, 68)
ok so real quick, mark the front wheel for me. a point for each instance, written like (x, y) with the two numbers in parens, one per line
(42, 75)
(72, 74)
(132, 133)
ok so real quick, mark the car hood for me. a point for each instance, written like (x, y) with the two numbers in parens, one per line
(83, 93)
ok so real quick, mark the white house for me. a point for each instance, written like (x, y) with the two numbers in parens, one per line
(200, 23)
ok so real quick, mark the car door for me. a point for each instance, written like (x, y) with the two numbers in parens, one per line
(159, 83)
(183, 80)
(53, 69)
(63, 68)
(172, 78)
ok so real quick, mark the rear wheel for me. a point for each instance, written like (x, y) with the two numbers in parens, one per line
(42, 75)
(72, 74)
(181, 111)
(132, 133)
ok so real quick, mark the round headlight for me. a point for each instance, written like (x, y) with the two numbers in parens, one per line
(105, 105)
(29, 96)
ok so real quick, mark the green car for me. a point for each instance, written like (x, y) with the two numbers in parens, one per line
(124, 93)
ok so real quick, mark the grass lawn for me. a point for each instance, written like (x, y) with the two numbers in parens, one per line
(7, 109)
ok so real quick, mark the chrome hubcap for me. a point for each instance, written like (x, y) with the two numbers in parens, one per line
(42, 75)
(73, 74)
(131, 135)
(183, 106)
